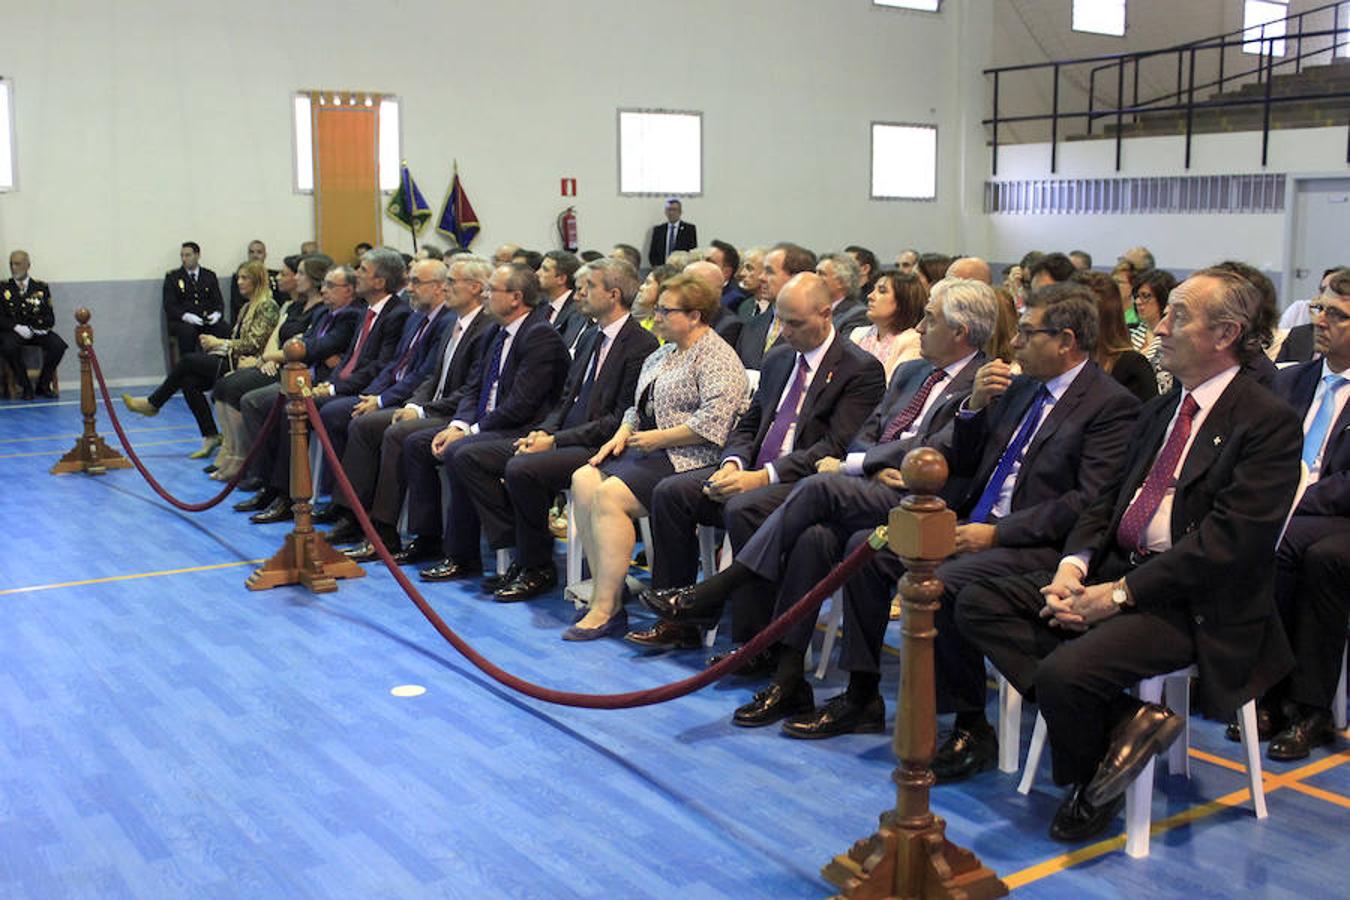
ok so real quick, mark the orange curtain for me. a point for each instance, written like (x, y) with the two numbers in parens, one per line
(346, 173)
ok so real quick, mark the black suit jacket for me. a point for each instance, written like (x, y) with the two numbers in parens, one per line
(570, 321)
(337, 329)
(32, 307)
(1231, 499)
(849, 314)
(728, 325)
(750, 343)
(935, 428)
(1330, 494)
(1078, 449)
(463, 362)
(845, 388)
(686, 238)
(183, 295)
(531, 376)
(379, 350)
(613, 389)
(1298, 345)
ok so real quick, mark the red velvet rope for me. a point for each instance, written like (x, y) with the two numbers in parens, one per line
(150, 479)
(803, 607)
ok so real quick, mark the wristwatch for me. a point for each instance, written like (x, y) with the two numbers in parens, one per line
(1119, 595)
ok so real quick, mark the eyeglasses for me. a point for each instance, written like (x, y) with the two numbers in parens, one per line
(1334, 315)
(418, 282)
(1142, 297)
(660, 310)
(1025, 333)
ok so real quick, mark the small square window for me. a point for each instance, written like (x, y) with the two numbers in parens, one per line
(6, 136)
(660, 152)
(921, 5)
(1099, 17)
(1264, 19)
(904, 162)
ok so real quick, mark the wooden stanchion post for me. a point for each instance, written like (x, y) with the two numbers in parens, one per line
(90, 454)
(306, 557)
(910, 855)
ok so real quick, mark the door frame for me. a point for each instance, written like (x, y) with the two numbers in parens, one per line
(1291, 188)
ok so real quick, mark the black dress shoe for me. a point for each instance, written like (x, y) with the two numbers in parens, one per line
(776, 702)
(327, 514)
(261, 500)
(681, 604)
(252, 483)
(529, 583)
(345, 531)
(840, 715)
(27, 392)
(208, 469)
(278, 511)
(666, 636)
(1135, 740)
(448, 570)
(1311, 729)
(1077, 819)
(965, 752)
(419, 549)
(1269, 722)
(47, 392)
(494, 583)
(761, 665)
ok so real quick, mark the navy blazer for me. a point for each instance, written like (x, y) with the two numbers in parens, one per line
(750, 344)
(933, 431)
(462, 363)
(613, 389)
(1330, 494)
(846, 386)
(1078, 449)
(1229, 505)
(531, 378)
(378, 349)
(393, 391)
(728, 325)
(686, 238)
(337, 329)
(570, 321)
(849, 314)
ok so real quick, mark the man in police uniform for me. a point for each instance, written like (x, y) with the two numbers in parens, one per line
(26, 319)
(193, 305)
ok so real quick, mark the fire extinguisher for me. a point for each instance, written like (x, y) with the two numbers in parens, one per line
(567, 228)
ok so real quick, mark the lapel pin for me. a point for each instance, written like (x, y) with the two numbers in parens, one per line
(829, 376)
(1218, 439)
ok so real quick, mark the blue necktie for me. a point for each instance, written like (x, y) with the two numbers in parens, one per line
(490, 376)
(1321, 423)
(1009, 457)
(579, 411)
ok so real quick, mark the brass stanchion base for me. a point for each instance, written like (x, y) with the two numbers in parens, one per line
(923, 857)
(91, 456)
(306, 559)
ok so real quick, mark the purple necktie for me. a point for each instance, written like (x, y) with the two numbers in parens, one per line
(1130, 531)
(912, 408)
(784, 418)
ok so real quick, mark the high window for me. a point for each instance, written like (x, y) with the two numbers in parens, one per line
(1099, 16)
(904, 162)
(303, 131)
(1264, 19)
(660, 152)
(6, 136)
(921, 5)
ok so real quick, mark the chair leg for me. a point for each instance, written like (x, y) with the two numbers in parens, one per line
(1338, 703)
(707, 550)
(1252, 748)
(1033, 756)
(1009, 726)
(645, 524)
(1139, 813)
(832, 623)
(1178, 693)
(574, 554)
(504, 559)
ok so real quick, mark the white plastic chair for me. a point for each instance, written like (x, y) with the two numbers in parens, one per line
(1338, 703)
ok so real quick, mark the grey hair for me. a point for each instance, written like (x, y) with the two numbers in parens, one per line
(618, 275)
(848, 270)
(344, 273)
(968, 304)
(388, 266)
(1238, 301)
(475, 268)
(1069, 307)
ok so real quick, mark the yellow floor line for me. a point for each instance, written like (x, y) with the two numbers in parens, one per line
(181, 440)
(1320, 794)
(65, 584)
(72, 434)
(1272, 783)
(1218, 760)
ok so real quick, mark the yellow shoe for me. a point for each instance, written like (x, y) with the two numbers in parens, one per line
(140, 405)
(209, 445)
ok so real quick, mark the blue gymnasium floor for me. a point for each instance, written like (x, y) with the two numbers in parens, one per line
(166, 733)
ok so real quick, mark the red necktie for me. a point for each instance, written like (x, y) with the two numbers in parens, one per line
(1130, 531)
(360, 342)
(911, 410)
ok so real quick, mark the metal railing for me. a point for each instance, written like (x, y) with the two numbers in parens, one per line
(1183, 98)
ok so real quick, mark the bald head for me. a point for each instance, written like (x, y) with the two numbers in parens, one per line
(505, 253)
(708, 272)
(803, 310)
(971, 267)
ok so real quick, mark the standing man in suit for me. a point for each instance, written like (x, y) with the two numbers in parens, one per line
(843, 277)
(822, 510)
(1312, 566)
(27, 319)
(1033, 452)
(524, 366)
(512, 483)
(193, 305)
(813, 395)
(763, 331)
(674, 234)
(557, 282)
(1171, 565)
(257, 252)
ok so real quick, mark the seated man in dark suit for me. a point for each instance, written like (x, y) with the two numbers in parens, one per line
(512, 482)
(1312, 571)
(373, 347)
(373, 460)
(813, 395)
(193, 305)
(557, 282)
(822, 510)
(1171, 565)
(521, 374)
(1034, 451)
(763, 331)
(26, 320)
(843, 277)
(674, 234)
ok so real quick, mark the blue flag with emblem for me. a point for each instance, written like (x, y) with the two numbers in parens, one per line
(458, 220)
(408, 205)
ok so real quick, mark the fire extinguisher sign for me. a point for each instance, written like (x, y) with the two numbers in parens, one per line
(569, 187)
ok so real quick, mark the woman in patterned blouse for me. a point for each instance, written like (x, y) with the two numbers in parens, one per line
(1151, 290)
(689, 394)
(894, 307)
